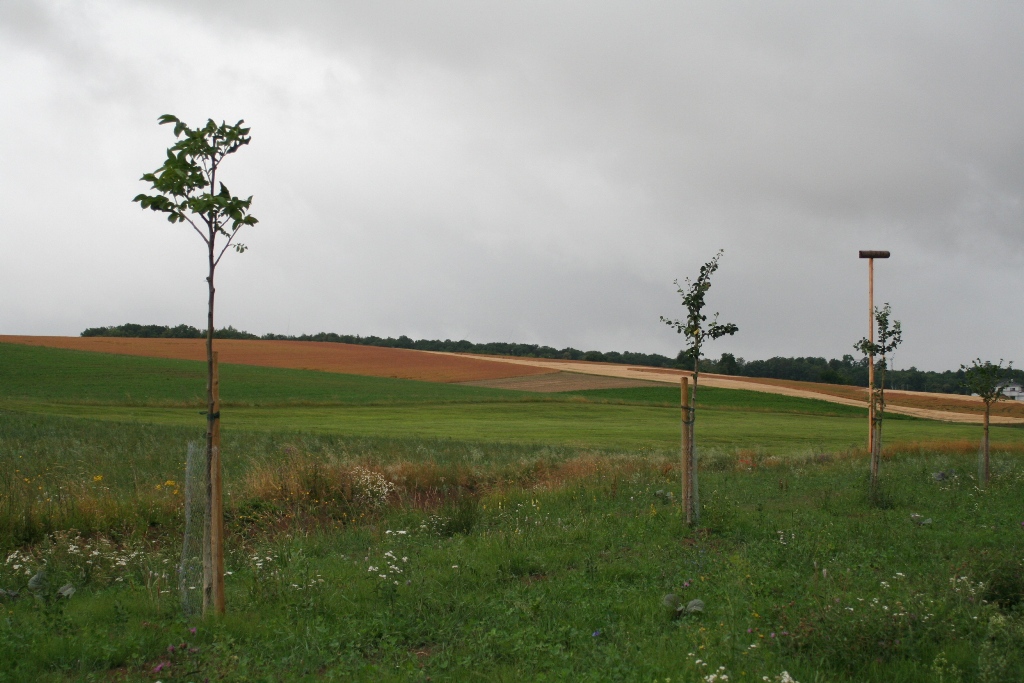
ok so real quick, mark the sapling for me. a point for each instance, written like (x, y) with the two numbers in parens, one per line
(987, 380)
(186, 190)
(696, 332)
(890, 336)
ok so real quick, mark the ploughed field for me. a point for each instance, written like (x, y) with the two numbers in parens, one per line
(390, 529)
(322, 356)
(524, 374)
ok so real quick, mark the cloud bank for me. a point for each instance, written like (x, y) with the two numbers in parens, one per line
(534, 172)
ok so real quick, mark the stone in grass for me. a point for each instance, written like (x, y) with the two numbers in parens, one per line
(38, 582)
(675, 608)
(66, 591)
(919, 520)
(8, 595)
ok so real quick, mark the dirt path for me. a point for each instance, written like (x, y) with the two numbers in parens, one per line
(954, 408)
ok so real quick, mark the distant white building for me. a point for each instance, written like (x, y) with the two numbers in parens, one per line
(1014, 391)
(1011, 390)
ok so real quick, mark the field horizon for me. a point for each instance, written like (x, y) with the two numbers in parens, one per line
(482, 370)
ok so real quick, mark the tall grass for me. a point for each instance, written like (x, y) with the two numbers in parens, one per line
(555, 567)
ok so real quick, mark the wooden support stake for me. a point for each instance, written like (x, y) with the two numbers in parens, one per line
(687, 460)
(871, 366)
(217, 502)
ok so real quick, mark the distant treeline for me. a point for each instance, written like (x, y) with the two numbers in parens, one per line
(847, 370)
(164, 332)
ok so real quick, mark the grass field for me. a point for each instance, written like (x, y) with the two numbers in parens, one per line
(541, 533)
(133, 389)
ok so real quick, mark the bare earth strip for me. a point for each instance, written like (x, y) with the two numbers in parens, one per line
(561, 381)
(322, 356)
(944, 407)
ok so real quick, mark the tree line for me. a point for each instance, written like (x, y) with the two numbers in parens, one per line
(846, 370)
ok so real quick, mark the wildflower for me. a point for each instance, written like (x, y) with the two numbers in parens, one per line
(596, 633)
(98, 477)
(455, 566)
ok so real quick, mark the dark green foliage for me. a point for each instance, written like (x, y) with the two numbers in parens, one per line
(186, 183)
(1004, 584)
(986, 379)
(696, 329)
(163, 332)
(461, 517)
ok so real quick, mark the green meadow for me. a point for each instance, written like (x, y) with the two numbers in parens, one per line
(383, 529)
(113, 388)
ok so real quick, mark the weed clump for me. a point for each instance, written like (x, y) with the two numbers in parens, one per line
(1005, 585)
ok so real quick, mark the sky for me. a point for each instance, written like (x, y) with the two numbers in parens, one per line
(538, 172)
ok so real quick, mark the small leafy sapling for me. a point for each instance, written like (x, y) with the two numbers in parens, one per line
(890, 336)
(988, 381)
(696, 330)
(186, 190)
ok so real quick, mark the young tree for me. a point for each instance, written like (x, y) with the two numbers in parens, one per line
(987, 380)
(890, 336)
(186, 189)
(696, 333)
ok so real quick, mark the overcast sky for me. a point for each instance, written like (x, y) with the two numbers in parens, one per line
(528, 171)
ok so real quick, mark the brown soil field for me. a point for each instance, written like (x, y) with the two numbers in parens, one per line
(561, 381)
(322, 356)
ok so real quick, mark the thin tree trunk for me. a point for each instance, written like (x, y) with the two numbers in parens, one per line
(210, 408)
(984, 447)
(684, 451)
(876, 442)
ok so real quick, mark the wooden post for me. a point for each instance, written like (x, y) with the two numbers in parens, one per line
(687, 461)
(871, 369)
(874, 444)
(217, 502)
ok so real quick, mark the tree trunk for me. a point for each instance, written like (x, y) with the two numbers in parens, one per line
(878, 413)
(984, 466)
(208, 569)
(684, 451)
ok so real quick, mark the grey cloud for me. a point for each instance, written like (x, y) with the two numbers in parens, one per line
(533, 171)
